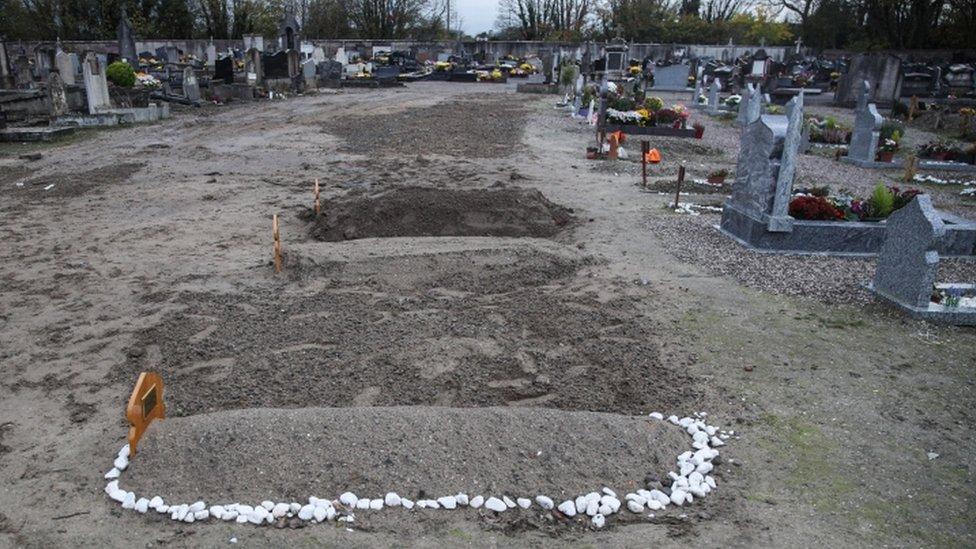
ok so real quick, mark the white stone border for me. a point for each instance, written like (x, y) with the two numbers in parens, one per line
(690, 482)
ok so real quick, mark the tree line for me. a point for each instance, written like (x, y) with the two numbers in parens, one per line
(821, 24)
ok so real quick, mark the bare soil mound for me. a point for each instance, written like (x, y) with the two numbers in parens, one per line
(425, 211)
(252, 455)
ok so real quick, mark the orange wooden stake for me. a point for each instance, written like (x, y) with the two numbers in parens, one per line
(318, 206)
(277, 243)
(145, 404)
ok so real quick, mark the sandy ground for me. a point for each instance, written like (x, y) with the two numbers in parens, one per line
(153, 250)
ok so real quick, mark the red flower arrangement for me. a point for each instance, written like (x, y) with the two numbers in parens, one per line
(814, 208)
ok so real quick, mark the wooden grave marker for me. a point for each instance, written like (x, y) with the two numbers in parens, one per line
(145, 404)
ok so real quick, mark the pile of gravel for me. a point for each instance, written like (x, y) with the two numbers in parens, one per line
(289, 454)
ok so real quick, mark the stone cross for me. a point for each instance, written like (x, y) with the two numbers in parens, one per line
(191, 88)
(757, 170)
(779, 219)
(741, 118)
(867, 128)
(713, 89)
(909, 262)
(96, 86)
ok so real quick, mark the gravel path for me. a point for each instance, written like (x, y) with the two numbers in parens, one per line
(828, 279)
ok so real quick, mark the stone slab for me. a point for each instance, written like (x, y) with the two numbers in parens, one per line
(24, 135)
(840, 238)
(933, 313)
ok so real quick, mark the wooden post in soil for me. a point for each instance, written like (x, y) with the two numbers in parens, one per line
(277, 243)
(317, 206)
(645, 148)
(681, 179)
(911, 168)
(913, 108)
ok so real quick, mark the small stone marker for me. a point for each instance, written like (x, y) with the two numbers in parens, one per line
(145, 404)
(713, 89)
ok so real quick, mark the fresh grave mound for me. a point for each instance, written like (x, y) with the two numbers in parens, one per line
(248, 456)
(425, 211)
(473, 265)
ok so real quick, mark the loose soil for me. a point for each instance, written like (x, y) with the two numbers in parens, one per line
(167, 266)
(516, 451)
(422, 211)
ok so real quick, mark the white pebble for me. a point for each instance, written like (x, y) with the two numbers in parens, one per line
(189, 518)
(217, 511)
(592, 508)
(656, 415)
(125, 451)
(581, 504)
(362, 503)
(201, 515)
(716, 442)
(118, 495)
(599, 521)
(477, 502)
(495, 504)
(280, 509)
(376, 504)
(307, 512)
(162, 508)
(198, 506)
(462, 499)
(230, 515)
(318, 513)
(635, 506)
(605, 510)
(568, 508)
(524, 503)
(155, 502)
(448, 502)
(678, 497)
(129, 501)
(508, 502)
(142, 505)
(674, 419)
(655, 505)
(406, 503)
(609, 492)
(348, 499)
(686, 469)
(112, 473)
(241, 519)
(121, 463)
(111, 487)
(268, 505)
(245, 509)
(660, 496)
(544, 502)
(710, 481)
(392, 499)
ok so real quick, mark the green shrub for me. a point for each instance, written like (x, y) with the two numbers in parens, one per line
(654, 104)
(882, 201)
(891, 129)
(121, 73)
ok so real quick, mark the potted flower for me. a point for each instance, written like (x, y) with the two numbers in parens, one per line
(886, 150)
(699, 129)
(717, 177)
(937, 149)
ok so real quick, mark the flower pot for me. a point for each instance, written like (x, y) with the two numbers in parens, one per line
(591, 153)
(940, 156)
(716, 179)
(886, 156)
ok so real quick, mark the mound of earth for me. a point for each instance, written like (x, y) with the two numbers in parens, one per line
(288, 455)
(475, 265)
(425, 211)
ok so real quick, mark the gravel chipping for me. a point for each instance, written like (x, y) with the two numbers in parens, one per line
(831, 280)
(287, 455)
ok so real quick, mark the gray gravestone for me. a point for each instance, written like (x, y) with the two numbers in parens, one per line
(56, 94)
(211, 55)
(66, 66)
(699, 73)
(908, 262)
(191, 88)
(253, 66)
(867, 128)
(308, 71)
(672, 77)
(127, 42)
(754, 107)
(757, 170)
(780, 220)
(742, 118)
(96, 86)
(713, 90)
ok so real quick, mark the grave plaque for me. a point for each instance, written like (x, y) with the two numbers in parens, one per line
(867, 128)
(145, 405)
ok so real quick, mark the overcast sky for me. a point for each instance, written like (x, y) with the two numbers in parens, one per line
(476, 15)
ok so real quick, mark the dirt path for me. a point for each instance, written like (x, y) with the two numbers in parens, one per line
(152, 250)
